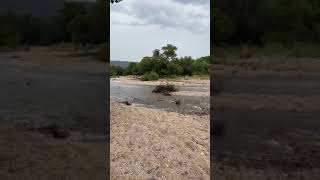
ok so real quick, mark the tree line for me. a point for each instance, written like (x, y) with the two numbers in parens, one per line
(164, 63)
(75, 22)
(265, 21)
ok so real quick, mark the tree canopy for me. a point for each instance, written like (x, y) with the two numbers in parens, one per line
(265, 21)
(76, 22)
(165, 63)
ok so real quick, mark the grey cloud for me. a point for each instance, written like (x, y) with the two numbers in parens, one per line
(194, 1)
(165, 13)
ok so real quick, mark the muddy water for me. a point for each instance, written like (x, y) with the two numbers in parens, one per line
(142, 95)
(277, 138)
(273, 86)
(73, 100)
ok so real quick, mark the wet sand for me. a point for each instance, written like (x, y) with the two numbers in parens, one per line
(48, 86)
(33, 156)
(271, 120)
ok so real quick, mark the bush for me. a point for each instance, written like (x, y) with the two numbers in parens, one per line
(150, 76)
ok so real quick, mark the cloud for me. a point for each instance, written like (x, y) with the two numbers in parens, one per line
(196, 2)
(190, 15)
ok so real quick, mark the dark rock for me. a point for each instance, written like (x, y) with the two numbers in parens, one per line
(128, 103)
(61, 133)
(55, 131)
(178, 102)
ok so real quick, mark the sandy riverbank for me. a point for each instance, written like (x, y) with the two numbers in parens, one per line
(31, 155)
(149, 143)
(134, 81)
(55, 58)
(268, 102)
(51, 86)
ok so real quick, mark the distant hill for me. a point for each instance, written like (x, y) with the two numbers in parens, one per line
(120, 63)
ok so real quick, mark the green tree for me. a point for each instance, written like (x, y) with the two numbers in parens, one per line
(156, 53)
(174, 69)
(186, 64)
(130, 68)
(169, 51)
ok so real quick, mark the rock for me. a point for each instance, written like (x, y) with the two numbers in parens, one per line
(128, 103)
(55, 131)
(178, 102)
(61, 133)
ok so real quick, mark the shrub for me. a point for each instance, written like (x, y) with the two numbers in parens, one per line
(150, 76)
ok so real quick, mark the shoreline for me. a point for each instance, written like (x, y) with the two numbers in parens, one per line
(134, 81)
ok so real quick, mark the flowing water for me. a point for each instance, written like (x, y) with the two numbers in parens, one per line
(142, 95)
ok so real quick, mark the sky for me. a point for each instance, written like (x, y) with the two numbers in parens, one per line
(140, 26)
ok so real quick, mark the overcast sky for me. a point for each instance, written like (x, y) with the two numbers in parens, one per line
(140, 26)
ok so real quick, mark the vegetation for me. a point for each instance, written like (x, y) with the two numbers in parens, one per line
(266, 21)
(165, 63)
(150, 76)
(78, 23)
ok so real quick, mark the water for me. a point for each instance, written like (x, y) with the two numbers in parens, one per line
(142, 95)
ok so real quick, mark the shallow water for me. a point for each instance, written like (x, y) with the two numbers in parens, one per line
(142, 95)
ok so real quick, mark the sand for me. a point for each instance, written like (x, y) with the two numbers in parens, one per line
(192, 93)
(149, 143)
(30, 155)
(48, 59)
(134, 81)
(268, 102)
(68, 89)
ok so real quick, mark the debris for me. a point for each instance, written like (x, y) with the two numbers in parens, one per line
(54, 130)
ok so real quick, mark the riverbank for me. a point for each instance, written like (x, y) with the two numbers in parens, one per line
(151, 143)
(43, 87)
(57, 58)
(269, 106)
(32, 155)
(156, 137)
(178, 81)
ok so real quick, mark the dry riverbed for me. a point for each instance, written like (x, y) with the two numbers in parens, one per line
(150, 143)
(164, 141)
